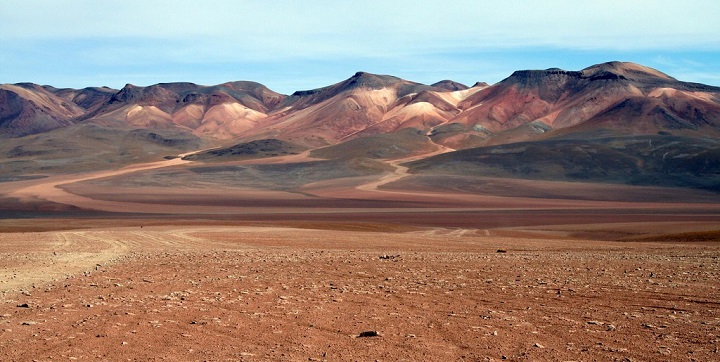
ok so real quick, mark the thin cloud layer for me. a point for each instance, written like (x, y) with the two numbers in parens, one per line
(137, 35)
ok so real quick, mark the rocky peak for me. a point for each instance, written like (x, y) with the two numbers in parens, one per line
(126, 94)
(625, 70)
(450, 85)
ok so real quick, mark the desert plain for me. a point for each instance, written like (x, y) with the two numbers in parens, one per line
(140, 264)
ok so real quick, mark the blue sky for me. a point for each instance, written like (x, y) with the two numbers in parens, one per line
(293, 45)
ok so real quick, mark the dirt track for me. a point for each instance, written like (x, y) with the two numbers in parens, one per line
(444, 276)
(245, 293)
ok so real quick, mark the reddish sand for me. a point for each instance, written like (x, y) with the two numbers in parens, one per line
(253, 294)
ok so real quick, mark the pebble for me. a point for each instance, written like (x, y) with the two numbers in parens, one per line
(369, 334)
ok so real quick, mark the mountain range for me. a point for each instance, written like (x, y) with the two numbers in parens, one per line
(611, 122)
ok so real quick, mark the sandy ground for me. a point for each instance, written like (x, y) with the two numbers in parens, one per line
(247, 293)
(93, 272)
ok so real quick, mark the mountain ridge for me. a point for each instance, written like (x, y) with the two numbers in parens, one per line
(550, 124)
(519, 107)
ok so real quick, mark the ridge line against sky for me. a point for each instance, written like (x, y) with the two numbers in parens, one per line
(293, 45)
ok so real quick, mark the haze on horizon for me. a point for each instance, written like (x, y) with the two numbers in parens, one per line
(289, 45)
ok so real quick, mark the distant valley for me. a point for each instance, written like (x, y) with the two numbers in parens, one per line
(609, 125)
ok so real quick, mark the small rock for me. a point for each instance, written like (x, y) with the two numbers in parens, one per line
(28, 323)
(24, 305)
(538, 345)
(501, 251)
(369, 334)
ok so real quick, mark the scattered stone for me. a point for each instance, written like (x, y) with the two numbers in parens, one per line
(28, 323)
(369, 334)
(24, 305)
(538, 345)
(501, 251)
(388, 257)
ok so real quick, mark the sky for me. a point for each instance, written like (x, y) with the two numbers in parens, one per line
(291, 45)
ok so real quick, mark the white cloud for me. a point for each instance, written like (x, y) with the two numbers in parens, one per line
(311, 27)
(155, 40)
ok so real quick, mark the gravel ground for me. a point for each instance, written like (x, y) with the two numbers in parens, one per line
(255, 294)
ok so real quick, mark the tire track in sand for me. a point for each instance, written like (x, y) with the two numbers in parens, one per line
(50, 189)
(400, 172)
(59, 254)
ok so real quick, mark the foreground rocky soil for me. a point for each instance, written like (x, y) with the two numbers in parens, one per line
(254, 294)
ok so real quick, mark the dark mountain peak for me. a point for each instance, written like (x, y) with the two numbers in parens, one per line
(126, 94)
(175, 87)
(625, 70)
(151, 95)
(28, 85)
(103, 89)
(370, 81)
(450, 85)
(90, 98)
(548, 84)
(360, 80)
(480, 84)
(244, 85)
(614, 71)
(535, 76)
